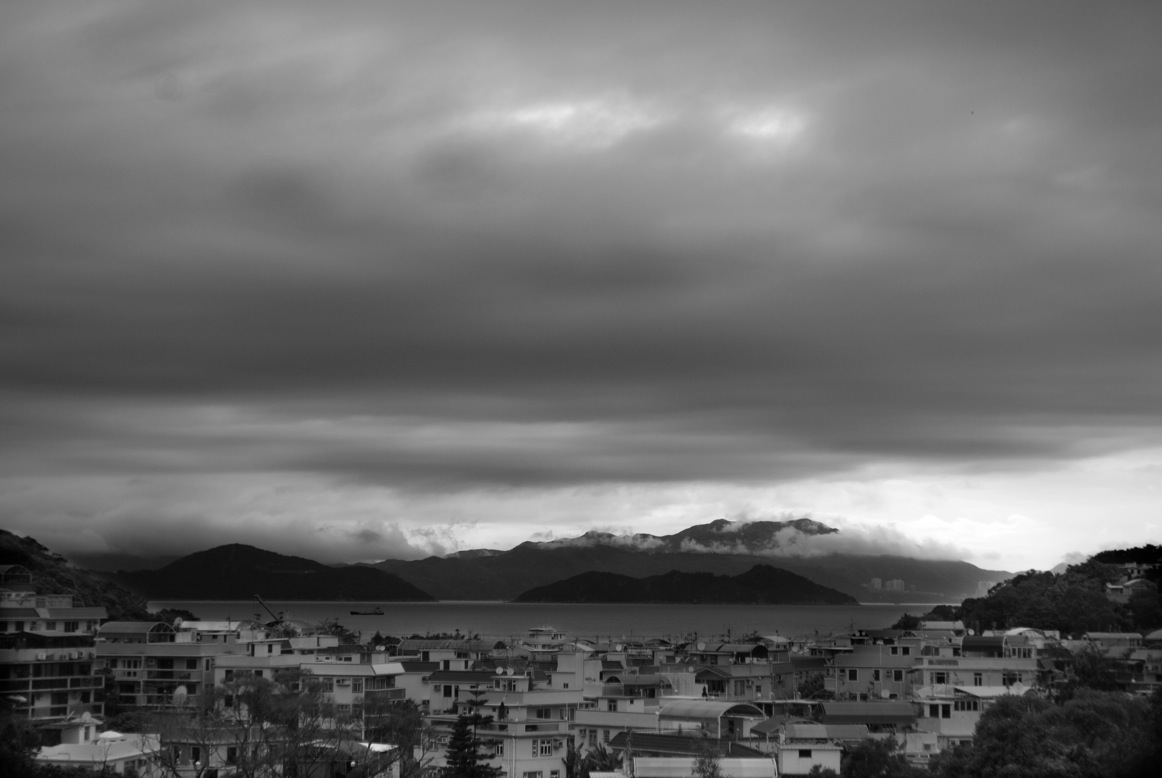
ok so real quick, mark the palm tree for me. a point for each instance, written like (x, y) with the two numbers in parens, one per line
(600, 759)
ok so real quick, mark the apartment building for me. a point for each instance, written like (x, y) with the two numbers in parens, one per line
(47, 670)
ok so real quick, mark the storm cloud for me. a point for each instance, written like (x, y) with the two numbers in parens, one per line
(397, 280)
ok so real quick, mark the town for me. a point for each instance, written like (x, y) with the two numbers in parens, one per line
(210, 699)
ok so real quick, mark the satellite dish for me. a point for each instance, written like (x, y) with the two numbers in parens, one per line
(180, 694)
(701, 646)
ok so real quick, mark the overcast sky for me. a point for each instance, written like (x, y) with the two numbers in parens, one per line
(385, 280)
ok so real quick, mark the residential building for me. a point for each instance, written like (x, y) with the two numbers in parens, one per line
(47, 670)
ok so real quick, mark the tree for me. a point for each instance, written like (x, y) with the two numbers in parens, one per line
(875, 759)
(707, 762)
(259, 726)
(600, 759)
(401, 723)
(1090, 669)
(572, 759)
(463, 759)
(1093, 735)
(813, 687)
(332, 626)
(18, 744)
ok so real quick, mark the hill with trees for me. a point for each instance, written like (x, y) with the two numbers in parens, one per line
(760, 584)
(1072, 602)
(238, 572)
(52, 574)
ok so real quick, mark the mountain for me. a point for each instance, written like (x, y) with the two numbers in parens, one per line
(238, 572)
(760, 584)
(720, 547)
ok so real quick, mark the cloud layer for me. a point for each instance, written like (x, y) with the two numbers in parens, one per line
(403, 280)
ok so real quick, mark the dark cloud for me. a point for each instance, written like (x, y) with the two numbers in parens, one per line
(430, 249)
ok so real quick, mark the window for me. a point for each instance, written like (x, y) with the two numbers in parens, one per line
(231, 754)
(875, 675)
(613, 706)
(534, 774)
(72, 626)
(978, 679)
(554, 774)
(357, 686)
(592, 737)
(542, 747)
(544, 713)
(191, 664)
(605, 735)
(898, 676)
(804, 753)
(499, 747)
(195, 754)
(852, 674)
(940, 677)
(50, 626)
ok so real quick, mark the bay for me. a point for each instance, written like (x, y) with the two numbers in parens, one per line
(508, 620)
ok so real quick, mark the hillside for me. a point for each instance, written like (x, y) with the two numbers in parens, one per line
(760, 584)
(1072, 602)
(51, 574)
(238, 572)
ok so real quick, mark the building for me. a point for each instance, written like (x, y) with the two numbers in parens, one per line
(47, 669)
(80, 745)
(152, 665)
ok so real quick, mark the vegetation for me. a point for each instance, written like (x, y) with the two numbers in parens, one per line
(760, 584)
(268, 726)
(401, 723)
(707, 762)
(1093, 735)
(1073, 602)
(464, 759)
(876, 759)
(52, 574)
(600, 759)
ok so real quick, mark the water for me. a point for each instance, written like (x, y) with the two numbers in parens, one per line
(508, 620)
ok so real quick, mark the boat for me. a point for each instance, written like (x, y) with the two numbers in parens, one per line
(377, 612)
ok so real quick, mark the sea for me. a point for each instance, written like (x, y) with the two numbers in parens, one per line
(600, 622)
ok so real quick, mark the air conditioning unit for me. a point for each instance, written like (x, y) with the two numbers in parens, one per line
(558, 743)
(40, 657)
(342, 682)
